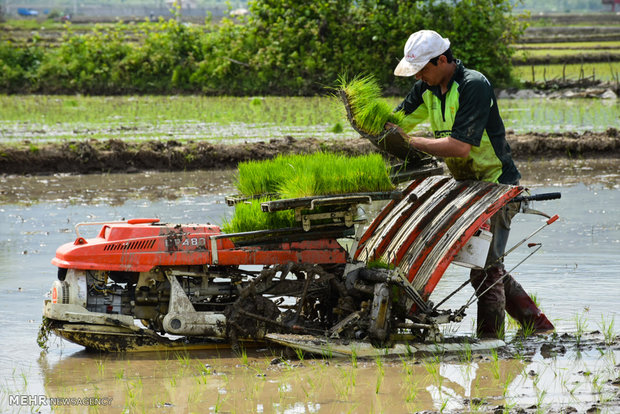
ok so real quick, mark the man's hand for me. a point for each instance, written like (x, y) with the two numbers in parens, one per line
(440, 147)
(389, 125)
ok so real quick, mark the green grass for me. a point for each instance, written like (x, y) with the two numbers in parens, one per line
(164, 110)
(295, 176)
(369, 110)
(600, 71)
(563, 53)
(249, 217)
(231, 119)
(614, 44)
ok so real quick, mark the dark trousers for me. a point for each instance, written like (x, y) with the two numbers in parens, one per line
(507, 294)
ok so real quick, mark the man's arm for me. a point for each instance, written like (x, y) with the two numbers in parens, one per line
(441, 147)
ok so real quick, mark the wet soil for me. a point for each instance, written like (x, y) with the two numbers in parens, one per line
(96, 156)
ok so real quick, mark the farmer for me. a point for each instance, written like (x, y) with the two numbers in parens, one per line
(469, 134)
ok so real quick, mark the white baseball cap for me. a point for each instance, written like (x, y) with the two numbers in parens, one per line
(421, 47)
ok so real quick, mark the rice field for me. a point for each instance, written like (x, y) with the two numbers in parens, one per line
(604, 45)
(608, 72)
(232, 119)
(566, 53)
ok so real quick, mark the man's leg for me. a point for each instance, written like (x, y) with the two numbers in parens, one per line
(491, 314)
(522, 308)
(517, 302)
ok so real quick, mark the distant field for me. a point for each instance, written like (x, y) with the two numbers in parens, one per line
(615, 44)
(607, 72)
(569, 47)
(227, 119)
(568, 53)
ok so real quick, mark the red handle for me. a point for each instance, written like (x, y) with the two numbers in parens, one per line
(552, 219)
(143, 220)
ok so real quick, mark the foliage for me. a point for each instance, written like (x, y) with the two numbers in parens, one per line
(295, 176)
(249, 217)
(562, 6)
(322, 173)
(281, 48)
(17, 66)
(368, 109)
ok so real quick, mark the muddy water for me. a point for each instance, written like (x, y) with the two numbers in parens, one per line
(574, 277)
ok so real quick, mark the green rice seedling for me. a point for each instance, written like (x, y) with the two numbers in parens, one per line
(432, 365)
(337, 128)
(219, 403)
(528, 329)
(580, 325)
(354, 357)
(249, 217)
(183, 359)
(380, 373)
(320, 173)
(370, 112)
(540, 398)
(409, 350)
(133, 390)
(100, 367)
(243, 356)
(495, 369)
(346, 385)
(475, 404)
(466, 353)
(296, 176)
(327, 352)
(410, 385)
(608, 330)
(300, 354)
(261, 177)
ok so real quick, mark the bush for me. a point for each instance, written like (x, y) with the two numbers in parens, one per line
(282, 48)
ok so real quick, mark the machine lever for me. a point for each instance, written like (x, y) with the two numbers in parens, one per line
(537, 197)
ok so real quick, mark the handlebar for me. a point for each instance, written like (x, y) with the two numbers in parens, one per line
(538, 197)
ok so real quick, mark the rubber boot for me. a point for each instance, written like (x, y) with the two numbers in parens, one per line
(522, 308)
(491, 305)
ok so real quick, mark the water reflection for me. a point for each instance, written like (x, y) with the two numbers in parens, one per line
(114, 189)
(574, 276)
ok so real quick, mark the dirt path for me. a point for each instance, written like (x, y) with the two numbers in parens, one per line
(95, 156)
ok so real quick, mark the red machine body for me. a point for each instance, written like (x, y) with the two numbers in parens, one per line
(140, 245)
(194, 281)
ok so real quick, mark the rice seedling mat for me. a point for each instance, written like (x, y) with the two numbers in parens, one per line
(372, 106)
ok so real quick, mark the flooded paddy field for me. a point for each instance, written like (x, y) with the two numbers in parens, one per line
(77, 134)
(573, 276)
(40, 119)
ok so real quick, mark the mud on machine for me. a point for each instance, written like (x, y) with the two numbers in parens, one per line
(335, 281)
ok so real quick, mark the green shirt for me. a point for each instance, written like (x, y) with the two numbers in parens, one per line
(467, 112)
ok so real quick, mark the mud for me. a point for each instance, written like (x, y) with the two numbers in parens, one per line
(97, 156)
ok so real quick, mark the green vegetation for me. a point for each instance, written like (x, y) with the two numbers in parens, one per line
(562, 6)
(295, 176)
(249, 217)
(541, 73)
(563, 54)
(281, 48)
(217, 119)
(370, 112)
(165, 110)
(604, 45)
